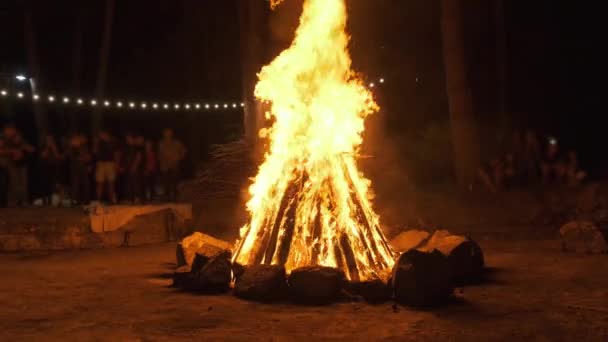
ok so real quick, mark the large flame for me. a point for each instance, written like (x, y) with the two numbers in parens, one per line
(310, 205)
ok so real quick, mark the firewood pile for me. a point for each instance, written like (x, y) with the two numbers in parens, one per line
(225, 175)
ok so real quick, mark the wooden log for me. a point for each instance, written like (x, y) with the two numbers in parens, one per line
(349, 256)
(289, 227)
(271, 245)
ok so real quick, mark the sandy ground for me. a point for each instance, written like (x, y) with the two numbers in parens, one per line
(533, 292)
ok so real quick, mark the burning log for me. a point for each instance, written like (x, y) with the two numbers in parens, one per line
(354, 252)
(310, 205)
(422, 279)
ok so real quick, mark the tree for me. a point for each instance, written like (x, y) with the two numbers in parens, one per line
(464, 135)
(252, 22)
(77, 58)
(102, 72)
(40, 115)
(501, 59)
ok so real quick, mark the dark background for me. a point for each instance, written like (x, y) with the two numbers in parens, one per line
(185, 49)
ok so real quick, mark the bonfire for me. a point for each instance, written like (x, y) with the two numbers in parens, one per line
(310, 205)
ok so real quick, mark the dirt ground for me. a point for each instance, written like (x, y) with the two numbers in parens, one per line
(533, 292)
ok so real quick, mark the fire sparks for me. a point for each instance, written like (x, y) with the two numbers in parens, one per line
(309, 203)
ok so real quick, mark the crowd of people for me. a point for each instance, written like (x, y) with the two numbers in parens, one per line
(133, 169)
(528, 161)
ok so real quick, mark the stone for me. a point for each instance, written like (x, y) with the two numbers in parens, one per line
(199, 243)
(465, 257)
(373, 291)
(180, 255)
(262, 283)
(422, 279)
(407, 240)
(212, 277)
(216, 275)
(582, 237)
(182, 277)
(316, 284)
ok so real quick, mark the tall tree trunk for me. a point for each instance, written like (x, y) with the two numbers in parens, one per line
(40, 114)
(464, 135)
(501, 60)
(77, 61)
(252, 27)
(102, 73)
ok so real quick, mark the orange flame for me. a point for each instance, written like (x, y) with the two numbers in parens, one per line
(309, 203)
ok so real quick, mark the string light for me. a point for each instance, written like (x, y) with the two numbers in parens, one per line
(79, 101)
(371, 85)
(242, 104)
(382, 80)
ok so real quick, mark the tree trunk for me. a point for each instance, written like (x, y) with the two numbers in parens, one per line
(501, 60)
(102, 73)
(464, 135)
(77, 62)
(251, 18)
(40, 114)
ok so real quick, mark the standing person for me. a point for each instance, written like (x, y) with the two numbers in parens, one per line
(50, 165)
(79, 161)
(133, 168)
(19, 174)
(107, 166)
(551, 166)
(8, 135)
(170, 153)
(150, 170)
(5, 160)
(573, 174)
(530, 159)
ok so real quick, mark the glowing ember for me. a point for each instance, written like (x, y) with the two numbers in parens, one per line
(310, 205)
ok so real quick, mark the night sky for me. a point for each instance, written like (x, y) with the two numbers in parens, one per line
(184, 49)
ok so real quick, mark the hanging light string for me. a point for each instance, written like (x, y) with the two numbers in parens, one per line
(119, 104)
(133, 105)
